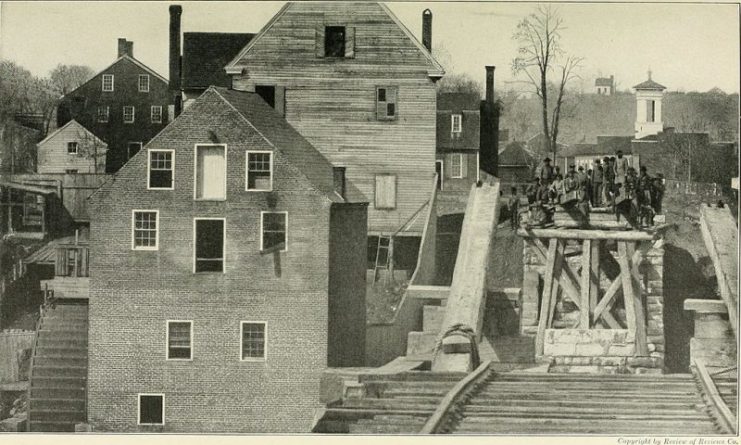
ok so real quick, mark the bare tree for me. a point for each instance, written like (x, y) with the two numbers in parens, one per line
(459, 83)
(539, 54)
(93, 149)
(65, 78)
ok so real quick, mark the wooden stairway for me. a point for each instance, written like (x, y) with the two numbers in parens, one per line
(521, 403)
(392, 404)
(57, 389)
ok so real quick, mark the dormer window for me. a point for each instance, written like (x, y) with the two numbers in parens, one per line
(107, 82)
(456, 124)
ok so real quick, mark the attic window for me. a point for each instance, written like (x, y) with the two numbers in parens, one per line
(160, 169)
(334, 41)
(386, 98)
(259, 171)
(107, 82)
(72, 148)
(143, 83)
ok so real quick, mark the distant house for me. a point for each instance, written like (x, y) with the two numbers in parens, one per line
(228, 271)
(604, 85)
(124, 105)
(71, 149)
(516, 164)
(458, 134)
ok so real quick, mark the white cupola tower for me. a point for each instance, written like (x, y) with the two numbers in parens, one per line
(648, 108)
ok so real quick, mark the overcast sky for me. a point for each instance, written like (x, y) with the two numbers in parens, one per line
(688, 47)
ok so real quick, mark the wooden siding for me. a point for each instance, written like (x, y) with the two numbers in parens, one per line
(332, 101)
(53, 157)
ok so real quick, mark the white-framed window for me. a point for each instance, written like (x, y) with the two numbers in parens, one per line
(386, 103)
(254, 340)
(143, 83)
(274, 231)
(156, 114)
(107, 82)
(128, 114)
(456, 165)
(456, 124)
(161, 175)
(179, 340)
(385, 193)
(72, 148)
(145, 229)
(151, 409)
(210, 172)
(103, 113)
(259, 171)
(209, 240)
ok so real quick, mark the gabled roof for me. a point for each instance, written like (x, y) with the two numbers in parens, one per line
(603, 82)
(457, 102)
(284, 138)
(124, 57)
(233, 67)
(515, 154)
(649, 85)
(73, 123)
(206, 53)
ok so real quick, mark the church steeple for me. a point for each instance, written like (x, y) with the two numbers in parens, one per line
(649, 95)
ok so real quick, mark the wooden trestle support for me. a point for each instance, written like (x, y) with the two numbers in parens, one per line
(582, 286)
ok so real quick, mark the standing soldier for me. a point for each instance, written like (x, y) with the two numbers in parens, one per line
(597, 178)
(545, 171)
(621, 168)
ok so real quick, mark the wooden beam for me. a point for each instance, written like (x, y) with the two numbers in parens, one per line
(624, 235)
(567, 280)
(605, 305)
(594, 278)
(633, 305)
(557, 272)
(545, 301)
(586, 288)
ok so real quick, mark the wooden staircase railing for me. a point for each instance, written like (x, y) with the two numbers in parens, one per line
(722, 414)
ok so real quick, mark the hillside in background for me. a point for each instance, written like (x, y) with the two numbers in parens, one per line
(587, 116)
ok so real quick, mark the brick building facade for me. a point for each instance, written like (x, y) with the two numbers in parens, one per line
(215, 306)
(124, 105)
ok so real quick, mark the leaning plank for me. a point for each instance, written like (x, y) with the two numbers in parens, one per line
(627, 235)
(609, 299)
(725, 417)
(586, 273)
(557, 272)
(545, 302)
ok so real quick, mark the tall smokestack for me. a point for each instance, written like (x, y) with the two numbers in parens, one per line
(427, 29)
(175, 12)
(489, 131)
(490, 83)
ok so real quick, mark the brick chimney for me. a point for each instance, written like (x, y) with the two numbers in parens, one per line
(175, 57)
(122, 47)
(489, 132)
(427, 29)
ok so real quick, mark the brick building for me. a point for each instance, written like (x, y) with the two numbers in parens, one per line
(228, 271)
(124, 105)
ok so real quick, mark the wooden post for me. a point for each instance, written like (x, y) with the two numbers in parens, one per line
(594, 277)
(586, 288)
(390, 261)
(633, 305)
(43, 215)
(557, 272)
(545, 301)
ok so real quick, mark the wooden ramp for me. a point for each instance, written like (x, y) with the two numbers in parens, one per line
(720, 233)
(464, 314)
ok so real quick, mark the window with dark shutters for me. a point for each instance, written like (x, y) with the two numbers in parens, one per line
(385, 193)
(335, 41)
(386, 100)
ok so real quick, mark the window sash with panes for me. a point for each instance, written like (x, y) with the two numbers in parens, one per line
(456, 124)
(72, 148)
(274, 231)
(128, 114)
(143, 83)
(107, 82)
(179, 340)
(145, 230)
(259, 171)
(253, 340)
(386, 99)
(151, 409)
(209, 245)
(156, 114)
(102, 114)
(456, 165)
(160, 169)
